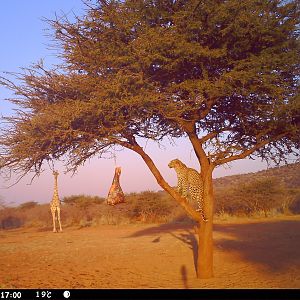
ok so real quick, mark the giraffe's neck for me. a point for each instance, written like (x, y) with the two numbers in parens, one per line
(55, 198)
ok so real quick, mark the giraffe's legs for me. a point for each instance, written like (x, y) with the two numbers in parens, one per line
(53, 219)
(58, 218)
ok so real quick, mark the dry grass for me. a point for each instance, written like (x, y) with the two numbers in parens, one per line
(87, 211)
(269, 193)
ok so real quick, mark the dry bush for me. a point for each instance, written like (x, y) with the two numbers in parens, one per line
(28, 205)
(260, 197)
(2, 205)
(230, 203)
(263, 196)
(145, 207)
(295, 205)
(80, 210)
(153, 207)
(11, 217)
(84, 211)
(39, 216)
(82, 201)
(268, 192)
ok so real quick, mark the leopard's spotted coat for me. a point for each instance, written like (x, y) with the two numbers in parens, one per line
(190, 183)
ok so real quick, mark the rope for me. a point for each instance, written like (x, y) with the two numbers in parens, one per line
(115, 159)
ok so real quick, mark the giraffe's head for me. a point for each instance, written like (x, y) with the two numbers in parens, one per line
(175, 163)
(55, 173)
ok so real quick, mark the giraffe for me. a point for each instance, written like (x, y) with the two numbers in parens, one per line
(115, 194)
(55, 204)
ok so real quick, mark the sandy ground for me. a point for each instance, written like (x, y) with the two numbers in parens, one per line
(248, 254)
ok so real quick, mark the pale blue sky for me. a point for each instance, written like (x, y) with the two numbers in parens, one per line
(23, 42)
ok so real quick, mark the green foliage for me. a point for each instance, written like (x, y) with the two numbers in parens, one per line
(228, 69)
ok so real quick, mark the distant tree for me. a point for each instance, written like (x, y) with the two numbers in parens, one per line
(229, 200)
(28, 205)
(262, 194)
(224, 74)
(295, 206)
(289, 198)
(82, 201)
(1, 203)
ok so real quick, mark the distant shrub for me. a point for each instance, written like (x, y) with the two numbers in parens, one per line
(145, 207)
(262, 194)
(295, 205)
(82, 200)
(28, 205)
(11, 218)
(228, 202)
(257, 194)
(266, 195)
(11, 222)
(150, 206)
(2, 205)
(38, 216)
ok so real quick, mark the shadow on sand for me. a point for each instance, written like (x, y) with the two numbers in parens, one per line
(274, 244)
(186, 235)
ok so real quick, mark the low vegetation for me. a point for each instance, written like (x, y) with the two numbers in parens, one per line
(266, 194)
(82, 211)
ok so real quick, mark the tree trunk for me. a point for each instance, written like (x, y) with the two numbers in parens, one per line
(205, 244)
(205, 232)
(205, 251)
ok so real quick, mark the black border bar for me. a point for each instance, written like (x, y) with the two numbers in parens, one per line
(155, 294)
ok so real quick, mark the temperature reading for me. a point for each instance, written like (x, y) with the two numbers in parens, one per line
(43, 294)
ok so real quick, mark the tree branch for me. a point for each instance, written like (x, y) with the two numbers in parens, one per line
(204, 161)
(207, 137)
(161, 181)
(249, 151)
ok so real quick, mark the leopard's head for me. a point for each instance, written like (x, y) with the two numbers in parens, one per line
(175, 163)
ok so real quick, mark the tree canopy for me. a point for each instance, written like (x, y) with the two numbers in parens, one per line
(227, 71)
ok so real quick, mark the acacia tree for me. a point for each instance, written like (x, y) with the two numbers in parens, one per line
(224, 74)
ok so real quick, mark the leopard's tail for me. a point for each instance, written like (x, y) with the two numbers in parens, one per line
(200, 209)
(202, 214)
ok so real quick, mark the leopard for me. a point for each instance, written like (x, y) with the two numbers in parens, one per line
(190, 183)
